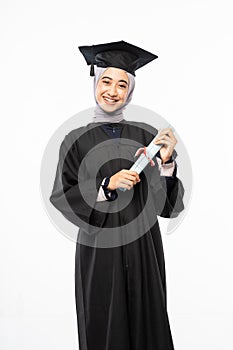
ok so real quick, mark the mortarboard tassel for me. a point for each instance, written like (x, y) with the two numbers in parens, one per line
(92, 71)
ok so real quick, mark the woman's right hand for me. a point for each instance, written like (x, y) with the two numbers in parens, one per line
(123, 179)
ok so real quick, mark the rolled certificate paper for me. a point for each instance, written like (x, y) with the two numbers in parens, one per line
(147, 153)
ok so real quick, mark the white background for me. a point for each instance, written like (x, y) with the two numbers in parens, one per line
(44, 81)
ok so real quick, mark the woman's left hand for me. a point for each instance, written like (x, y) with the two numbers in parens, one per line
(168, 140)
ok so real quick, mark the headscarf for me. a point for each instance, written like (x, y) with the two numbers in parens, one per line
(111, 117)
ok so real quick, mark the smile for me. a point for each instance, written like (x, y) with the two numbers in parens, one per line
(109, 100)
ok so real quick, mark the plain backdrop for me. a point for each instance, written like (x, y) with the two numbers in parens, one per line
(44, 81)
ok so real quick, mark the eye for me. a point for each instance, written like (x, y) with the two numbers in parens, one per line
(106, 82)
(123, 86)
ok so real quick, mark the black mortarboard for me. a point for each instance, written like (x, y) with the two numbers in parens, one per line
(118, 54)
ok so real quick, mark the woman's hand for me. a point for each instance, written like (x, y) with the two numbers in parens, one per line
(123, 179)
(168, 140)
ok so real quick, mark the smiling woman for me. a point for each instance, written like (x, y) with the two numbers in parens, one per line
(120, 283)
(112, 89)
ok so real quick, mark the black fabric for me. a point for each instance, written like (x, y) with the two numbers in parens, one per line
(110, 195)
(120, 292)
(119, 54)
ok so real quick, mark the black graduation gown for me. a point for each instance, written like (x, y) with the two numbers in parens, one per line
(120, 289)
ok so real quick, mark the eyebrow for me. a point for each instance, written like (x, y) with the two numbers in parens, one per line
(122, 80)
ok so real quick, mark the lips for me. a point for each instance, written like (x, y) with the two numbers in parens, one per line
(109, 100)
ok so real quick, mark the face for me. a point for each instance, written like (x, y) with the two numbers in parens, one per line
(112, 89)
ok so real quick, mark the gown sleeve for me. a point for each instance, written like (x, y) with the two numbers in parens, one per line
(167, 193)
(104, 194)
(75, 192)
(101, 195)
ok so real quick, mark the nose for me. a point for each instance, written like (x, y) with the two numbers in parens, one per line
(112, 90)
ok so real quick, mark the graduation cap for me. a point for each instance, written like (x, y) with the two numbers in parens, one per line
(119, 54)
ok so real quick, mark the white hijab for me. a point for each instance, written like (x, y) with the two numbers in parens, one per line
(111, 117)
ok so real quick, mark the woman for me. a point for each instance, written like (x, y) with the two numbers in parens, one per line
(120, 281)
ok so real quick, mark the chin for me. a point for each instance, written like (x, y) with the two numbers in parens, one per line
(108, 108)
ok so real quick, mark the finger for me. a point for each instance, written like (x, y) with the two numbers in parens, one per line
(161, 134)
(172, 136)
(125, 184)
(163, 131)
(127, 181)
(129, 177)
(163, 137)
(165, 142)
(132, 181)
(132, 173)
(167, 131)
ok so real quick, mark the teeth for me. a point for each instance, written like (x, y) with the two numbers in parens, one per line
(108, 99)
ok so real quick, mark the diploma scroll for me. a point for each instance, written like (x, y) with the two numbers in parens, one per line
(146, 157)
